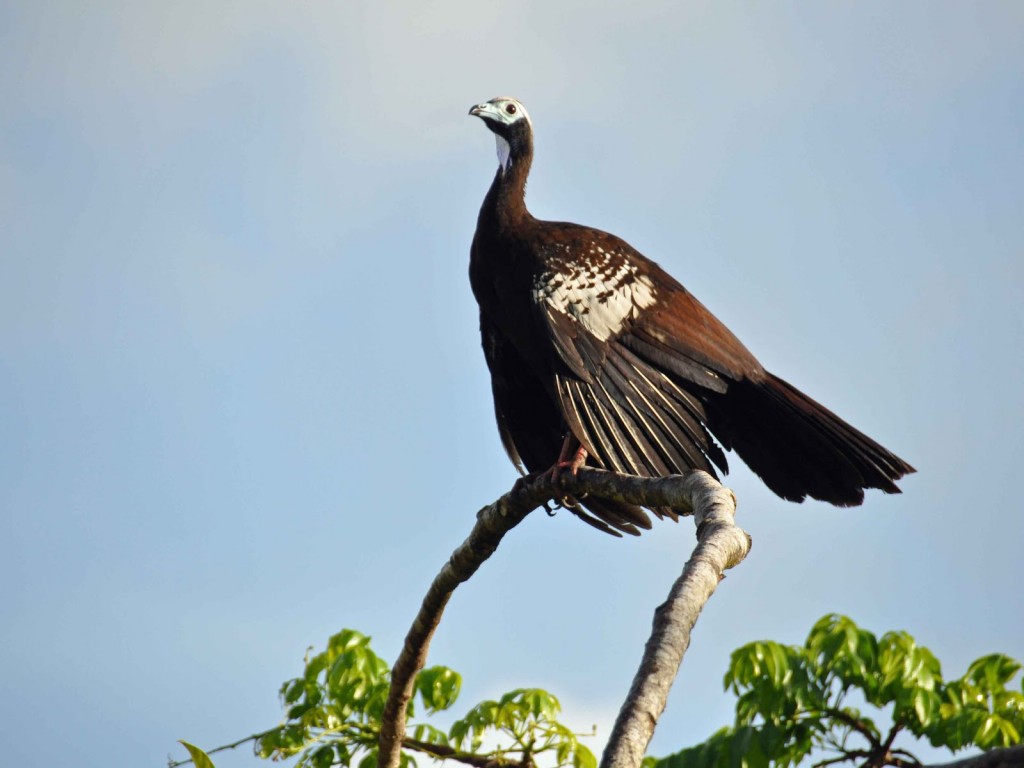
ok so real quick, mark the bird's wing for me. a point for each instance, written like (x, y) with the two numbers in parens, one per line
(531, 430)
(528, 419)
(638, 357)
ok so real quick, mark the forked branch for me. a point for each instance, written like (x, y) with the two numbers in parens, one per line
(721, 545)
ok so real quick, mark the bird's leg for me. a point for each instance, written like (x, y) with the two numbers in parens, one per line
(579, 458)
(571, 447)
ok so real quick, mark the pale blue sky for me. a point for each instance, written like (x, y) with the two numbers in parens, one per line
(241, 393)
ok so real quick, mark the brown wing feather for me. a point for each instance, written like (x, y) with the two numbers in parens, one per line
(646, 375)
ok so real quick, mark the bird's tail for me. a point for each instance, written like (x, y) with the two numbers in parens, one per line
(798, 447)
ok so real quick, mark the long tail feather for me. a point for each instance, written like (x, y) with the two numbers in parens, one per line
(799, 447)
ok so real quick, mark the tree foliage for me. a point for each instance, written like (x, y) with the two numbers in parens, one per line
(798, 701)
(333, 714)
(794, 703)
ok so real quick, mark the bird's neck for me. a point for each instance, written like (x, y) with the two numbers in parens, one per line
(505, 204)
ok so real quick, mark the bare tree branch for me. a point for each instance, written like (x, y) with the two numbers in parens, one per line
(721, 545)
(720, 548)
(492, 523)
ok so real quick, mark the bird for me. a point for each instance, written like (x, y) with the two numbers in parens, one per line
(599, 357)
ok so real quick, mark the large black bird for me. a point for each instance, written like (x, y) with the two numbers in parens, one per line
(596, 352)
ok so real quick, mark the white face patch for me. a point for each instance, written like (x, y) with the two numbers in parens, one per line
(600, 296)
(506, 110)
(503, 110)
(504, 152)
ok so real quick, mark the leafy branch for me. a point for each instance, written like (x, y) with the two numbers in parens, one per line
(333, 717)
(791, 707)
(791, 703)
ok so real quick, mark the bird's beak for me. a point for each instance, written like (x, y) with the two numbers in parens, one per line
(478, 109)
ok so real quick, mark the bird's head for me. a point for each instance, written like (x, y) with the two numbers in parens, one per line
(510, 123)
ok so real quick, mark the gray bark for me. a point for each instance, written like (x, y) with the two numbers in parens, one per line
(721, 545)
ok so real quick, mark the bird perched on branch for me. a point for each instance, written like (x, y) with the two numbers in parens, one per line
(597, 354)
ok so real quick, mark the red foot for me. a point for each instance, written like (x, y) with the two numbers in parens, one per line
(578, 460)
(571, 447)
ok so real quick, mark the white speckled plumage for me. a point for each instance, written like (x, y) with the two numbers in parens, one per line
(601, 296)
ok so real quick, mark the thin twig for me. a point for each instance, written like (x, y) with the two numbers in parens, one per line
(856, 724)
(175, 763)
(910, 755)
(846, 755)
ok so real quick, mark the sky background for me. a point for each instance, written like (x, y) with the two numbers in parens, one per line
(242, 401)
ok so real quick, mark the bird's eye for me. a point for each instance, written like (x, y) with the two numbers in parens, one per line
(510, 108)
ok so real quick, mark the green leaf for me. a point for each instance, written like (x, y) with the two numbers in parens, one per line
(199, 758)
(291, 691)
(993, 672)
(370, 760)
(582, 757)
(315, 666)
(438, 687)
(344, 755)
(747, 708)
(540, 703)
(322, 757)
(458, 732)
(430, 734)
(926, 706)
(562, 750)
(346, 640)
(925, 670)
(996, 731)
(781, 666)
(741, 670)
(738, 746)
(833, 637)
